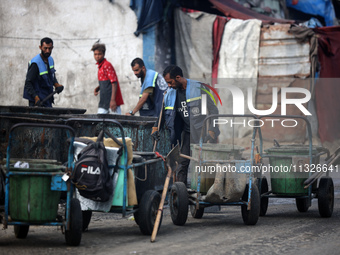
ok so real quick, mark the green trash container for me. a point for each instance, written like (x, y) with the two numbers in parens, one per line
(290, 183)
(210, 151)
(30, 196)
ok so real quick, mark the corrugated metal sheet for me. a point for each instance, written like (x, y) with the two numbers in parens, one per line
(281, 54)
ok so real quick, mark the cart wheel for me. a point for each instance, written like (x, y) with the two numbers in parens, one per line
(179, 203)
(136, 215)
(264, 200)
(73, 234)
(197, 214)
(302, 204)
(147, 211)
(326, 197)
(86, 219)
(21, 231)
(251, 217)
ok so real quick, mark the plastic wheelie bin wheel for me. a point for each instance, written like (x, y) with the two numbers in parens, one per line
(21, 231)
(147, 211)
(197, 214)
(302, 204)
(326, 197)
(251, 217)
(263, 187)
(86, 219)
(179, 203)
(73, 234)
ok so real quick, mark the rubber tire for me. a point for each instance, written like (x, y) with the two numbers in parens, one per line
(73, 234)
(136, 216)
(21, 231)
(302, 204)
(179, 203)
(264, 200)
(251, 217)
(147, 211)
(326, 197)
(197, 214)
(87, 215)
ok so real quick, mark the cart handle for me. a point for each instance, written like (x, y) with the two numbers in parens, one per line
(309, 129)
(103, 121)
(255, 129)
(45, 125)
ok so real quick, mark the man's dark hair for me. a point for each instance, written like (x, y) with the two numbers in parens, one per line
(138, 61)
(99, 46)
(46, 40)
(173, 71)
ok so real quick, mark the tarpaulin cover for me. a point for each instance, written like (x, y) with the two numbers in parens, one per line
(193, 36)
(238, 66)
(148, 13)
(235, 10)
(323, 8)
(328, 90)
(218, 28)
(239, 53)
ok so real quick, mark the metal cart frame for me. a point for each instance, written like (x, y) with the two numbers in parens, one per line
(72, 223)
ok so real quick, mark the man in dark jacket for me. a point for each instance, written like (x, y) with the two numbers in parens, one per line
(182, 114)
(40, 78)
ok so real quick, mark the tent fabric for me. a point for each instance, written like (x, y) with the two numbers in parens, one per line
(323, 8)
(235, 10)
(148, 13)
(238, 66)
(218, 28)
(303, 34)
(329, 51)
(239, 51)
(193, 37)
(327, 86)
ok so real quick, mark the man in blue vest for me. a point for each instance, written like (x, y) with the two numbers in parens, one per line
(153, 86)
(182, 115)
(40, 78)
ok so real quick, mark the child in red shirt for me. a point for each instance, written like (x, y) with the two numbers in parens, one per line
(110, 94)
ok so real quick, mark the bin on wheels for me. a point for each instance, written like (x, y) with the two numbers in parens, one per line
(288, 170)
(31, 198)
(294, 173)
(33, 190)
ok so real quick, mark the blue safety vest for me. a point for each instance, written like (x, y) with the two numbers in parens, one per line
(151, 108)
(43, 86)
(193, 99)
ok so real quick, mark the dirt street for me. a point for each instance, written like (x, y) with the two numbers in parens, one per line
(282, 231)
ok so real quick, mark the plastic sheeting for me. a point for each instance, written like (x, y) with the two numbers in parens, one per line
(148, 13)
(238, 66)
(193, 36)
(234, 10)
(239, 52)
(327, 89)
(218, 29)
(323, 8)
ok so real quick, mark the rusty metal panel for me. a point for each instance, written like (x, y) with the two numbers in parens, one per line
(281, 54)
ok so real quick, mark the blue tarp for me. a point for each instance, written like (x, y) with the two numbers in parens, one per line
(323, 8)
(148, 12)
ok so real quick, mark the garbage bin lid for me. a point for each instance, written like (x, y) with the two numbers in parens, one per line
(38, 167)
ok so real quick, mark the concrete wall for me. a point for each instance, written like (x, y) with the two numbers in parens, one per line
(74, 26)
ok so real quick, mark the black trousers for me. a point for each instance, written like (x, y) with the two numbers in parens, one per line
(182, 172)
